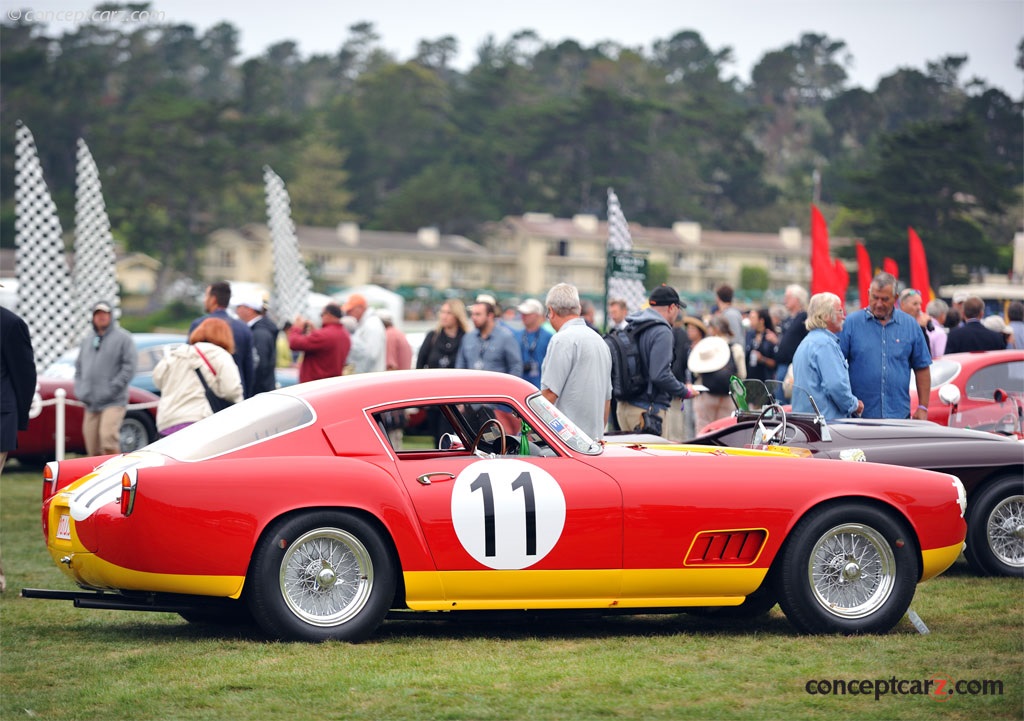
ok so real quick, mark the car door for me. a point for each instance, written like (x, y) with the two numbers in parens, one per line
(532, 513)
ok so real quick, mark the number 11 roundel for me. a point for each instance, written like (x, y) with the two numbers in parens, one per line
(507, 513)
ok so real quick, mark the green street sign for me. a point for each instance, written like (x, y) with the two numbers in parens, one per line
(628, 265)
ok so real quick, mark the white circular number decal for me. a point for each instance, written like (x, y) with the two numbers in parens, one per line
(507, 513)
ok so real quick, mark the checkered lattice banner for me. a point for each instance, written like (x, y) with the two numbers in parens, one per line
(292, 284)
(619, 239)
(95, 274)
(44, 296)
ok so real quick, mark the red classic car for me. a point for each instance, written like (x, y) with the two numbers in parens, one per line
(297, 507)
(976, 376)
(990, 464)
(36, 443)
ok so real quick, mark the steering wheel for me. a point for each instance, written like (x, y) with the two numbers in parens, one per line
(480, 435)
(763, 436)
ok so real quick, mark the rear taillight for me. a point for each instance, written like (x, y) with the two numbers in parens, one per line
(50, 471)
(129, 481)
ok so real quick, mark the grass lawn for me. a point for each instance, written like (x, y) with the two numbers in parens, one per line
(59, 662)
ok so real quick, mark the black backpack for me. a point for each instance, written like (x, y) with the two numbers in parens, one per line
(629, 376)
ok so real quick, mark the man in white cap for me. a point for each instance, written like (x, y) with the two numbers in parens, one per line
(103, 371)
(533, 339)
(252, 311)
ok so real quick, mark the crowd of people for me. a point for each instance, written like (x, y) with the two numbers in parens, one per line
(856, 364)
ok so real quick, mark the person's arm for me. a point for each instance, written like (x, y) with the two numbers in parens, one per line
(552, 397)
(923, 377)
(423, 355)
(227, 383)
(513, 355)
(126, 367)
(315, 340)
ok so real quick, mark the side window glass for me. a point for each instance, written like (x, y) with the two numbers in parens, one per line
(1007, 376)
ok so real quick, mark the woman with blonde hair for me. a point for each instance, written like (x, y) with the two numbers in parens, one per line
(441, 344)
(181, 373)
(439, 349)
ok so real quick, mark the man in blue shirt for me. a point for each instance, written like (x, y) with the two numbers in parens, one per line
(490, 346)
(533, 339)
(819, 366)
(883, 344)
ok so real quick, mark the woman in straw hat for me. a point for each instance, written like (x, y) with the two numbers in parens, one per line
(713, 361)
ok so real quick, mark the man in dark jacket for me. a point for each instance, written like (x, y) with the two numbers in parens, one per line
(17, 380)
(655, 344)
(973, 335)
(215, 302)
(793, 331)
(252, 312)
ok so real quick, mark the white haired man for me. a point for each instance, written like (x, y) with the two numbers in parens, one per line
(577, 369)
(819, 366)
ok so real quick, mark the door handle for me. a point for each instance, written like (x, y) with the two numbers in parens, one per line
(424, 479)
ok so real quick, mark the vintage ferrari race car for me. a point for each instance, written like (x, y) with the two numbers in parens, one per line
(990, 464)
(307, 508)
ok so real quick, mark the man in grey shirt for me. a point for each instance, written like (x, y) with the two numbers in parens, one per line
(103, 370)
(576, 374)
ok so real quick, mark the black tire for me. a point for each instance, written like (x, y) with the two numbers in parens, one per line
(995, 528)
(137, 430)
(322, 575)
(847, 568)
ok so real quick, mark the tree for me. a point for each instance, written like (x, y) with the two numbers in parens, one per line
(938, 178)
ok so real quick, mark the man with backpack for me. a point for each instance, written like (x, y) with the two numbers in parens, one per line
(642, 379)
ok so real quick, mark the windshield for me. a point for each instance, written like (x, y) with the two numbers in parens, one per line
(263, 416)
(942, 371)
(565, 429)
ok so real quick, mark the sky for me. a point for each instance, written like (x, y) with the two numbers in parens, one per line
(881, 35)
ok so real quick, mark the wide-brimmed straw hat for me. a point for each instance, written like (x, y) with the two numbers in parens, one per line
(696, 323)
(709, 355)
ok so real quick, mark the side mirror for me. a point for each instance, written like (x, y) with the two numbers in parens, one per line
(1000, 396)
(949, 394)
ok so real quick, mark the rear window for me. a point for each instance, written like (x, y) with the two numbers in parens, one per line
(257, 419)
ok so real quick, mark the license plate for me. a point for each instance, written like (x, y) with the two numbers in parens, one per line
(64, 527)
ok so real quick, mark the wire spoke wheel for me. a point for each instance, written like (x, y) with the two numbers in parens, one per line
(1005, 531)
(852, 570)
(326, 576)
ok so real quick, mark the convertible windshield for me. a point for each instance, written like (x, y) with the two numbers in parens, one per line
(261, 417)
(568, 431)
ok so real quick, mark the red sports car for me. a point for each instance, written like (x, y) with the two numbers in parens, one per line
(976, 376)
(300, 508)
(36, 443)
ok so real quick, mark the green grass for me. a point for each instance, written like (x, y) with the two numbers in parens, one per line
(63, 663)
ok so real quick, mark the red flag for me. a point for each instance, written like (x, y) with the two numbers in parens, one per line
(890, 267)
(863, 274)
(841, 279)
(919, 267)
(822, 270)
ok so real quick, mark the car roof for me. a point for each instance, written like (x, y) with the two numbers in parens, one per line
(369, 389)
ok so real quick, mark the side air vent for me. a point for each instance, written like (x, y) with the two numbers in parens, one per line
(739, 547)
